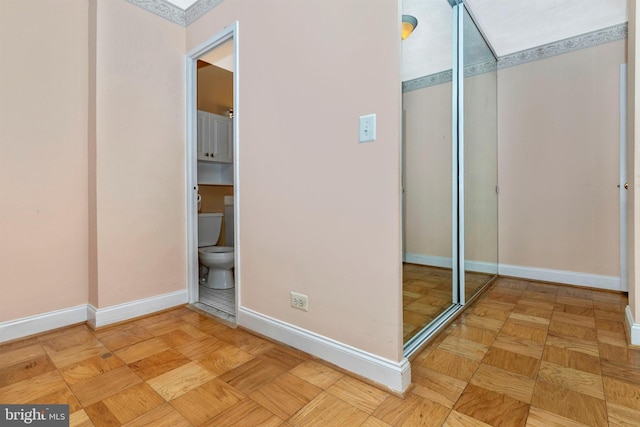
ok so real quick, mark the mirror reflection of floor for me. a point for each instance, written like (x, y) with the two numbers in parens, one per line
(426, 292)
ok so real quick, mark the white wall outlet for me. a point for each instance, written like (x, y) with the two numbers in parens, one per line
(299, 301)
(367, 128)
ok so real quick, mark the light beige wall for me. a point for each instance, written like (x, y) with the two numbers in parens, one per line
(139, 155)
(481, 172)
(427, 169)
(43, 156)
(320, 213)
(558, 161)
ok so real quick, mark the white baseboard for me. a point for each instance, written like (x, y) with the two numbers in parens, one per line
(432, 261)
(611, 283)
(634, 328)
(394, 375)
(443, 262)
(99, 317)
(20, 328)
(481, 267)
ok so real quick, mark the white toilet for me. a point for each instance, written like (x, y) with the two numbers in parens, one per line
(219, 259)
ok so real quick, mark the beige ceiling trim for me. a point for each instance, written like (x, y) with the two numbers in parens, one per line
(583, 41)
(175, 14)
(426, 81)
(199, 8)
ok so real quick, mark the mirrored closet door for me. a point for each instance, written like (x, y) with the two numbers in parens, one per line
(449, 168)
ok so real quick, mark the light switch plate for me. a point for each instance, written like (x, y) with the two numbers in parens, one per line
(367, 128)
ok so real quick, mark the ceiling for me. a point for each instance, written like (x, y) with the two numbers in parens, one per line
(508, 25)
(221, 56)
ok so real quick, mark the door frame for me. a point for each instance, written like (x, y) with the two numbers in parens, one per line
(230, 32)
(457, 157)
(624, 271)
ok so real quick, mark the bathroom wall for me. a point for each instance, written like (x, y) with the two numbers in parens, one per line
(137, 160)
(215, 89)
(213, 201)
(43, 156)
(320, 213)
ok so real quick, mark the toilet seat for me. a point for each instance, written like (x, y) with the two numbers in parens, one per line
(215, 249)
(222, 256)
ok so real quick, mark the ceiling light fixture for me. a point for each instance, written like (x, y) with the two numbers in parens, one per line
(409, 23)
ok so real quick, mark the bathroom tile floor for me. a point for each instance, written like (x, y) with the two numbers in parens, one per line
(523, 354)
(219, 302)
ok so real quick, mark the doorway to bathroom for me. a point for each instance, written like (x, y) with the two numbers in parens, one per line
(212, 158)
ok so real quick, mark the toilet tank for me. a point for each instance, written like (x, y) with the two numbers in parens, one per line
(209, 225)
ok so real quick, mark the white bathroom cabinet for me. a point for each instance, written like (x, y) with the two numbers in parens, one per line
(211, 173)
(215, 138)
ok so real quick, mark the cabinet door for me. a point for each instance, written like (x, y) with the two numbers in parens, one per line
(222, 131)
(204, 136)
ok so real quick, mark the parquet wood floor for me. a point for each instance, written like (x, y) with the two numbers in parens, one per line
(427, 292)
(524, 354)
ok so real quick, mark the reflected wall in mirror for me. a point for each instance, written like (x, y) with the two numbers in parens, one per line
(427, 172)
(480, 160)
(427, 280)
